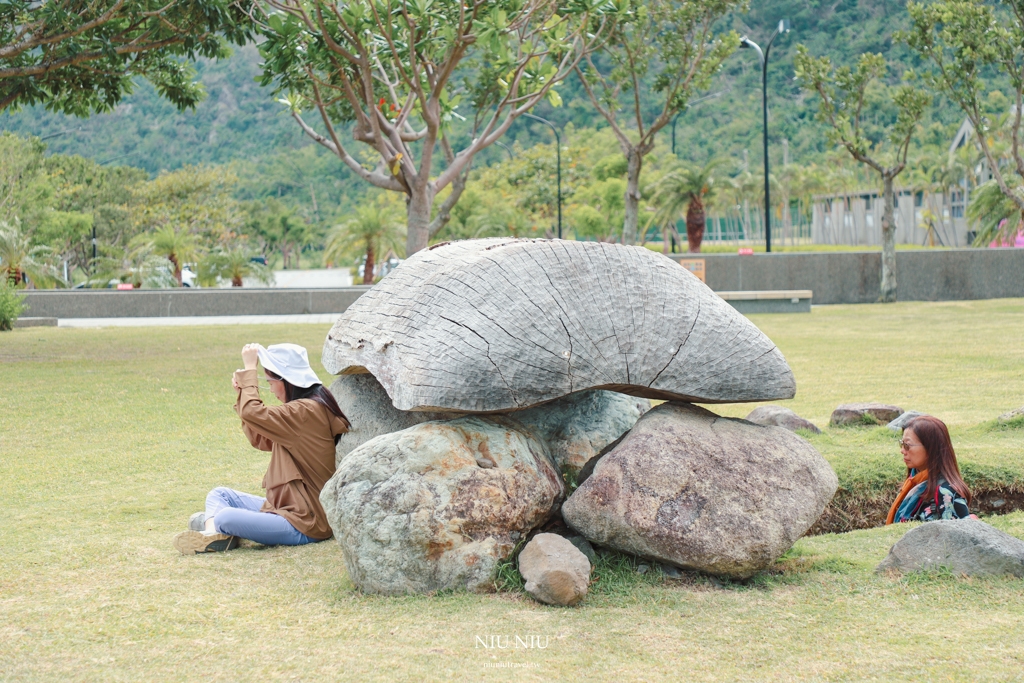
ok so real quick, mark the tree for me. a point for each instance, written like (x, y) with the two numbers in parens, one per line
(692, 186)
(134, 264)
(597, 211)
(843, 92)
(374, 230)
(671, 43)
(81, 56)
(389, 70)
(23, 263)
(962, 40)
(998, 217)
(176, 245)
(232, 263)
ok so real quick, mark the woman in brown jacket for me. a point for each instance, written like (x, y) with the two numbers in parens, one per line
(301, 435)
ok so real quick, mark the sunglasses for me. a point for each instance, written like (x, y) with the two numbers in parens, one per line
(906, 445)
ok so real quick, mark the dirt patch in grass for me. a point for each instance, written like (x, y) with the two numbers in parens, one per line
(848, 511)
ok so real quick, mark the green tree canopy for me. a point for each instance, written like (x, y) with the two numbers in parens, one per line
(666, 50)
(394, 72)
(842, 94)
(80, 56)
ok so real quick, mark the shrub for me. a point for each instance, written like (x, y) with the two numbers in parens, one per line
(12, 304)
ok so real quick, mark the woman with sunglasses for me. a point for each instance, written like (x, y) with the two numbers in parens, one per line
(934, 488)
(301, 435)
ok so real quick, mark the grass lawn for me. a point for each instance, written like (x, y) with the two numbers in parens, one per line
(110, 438)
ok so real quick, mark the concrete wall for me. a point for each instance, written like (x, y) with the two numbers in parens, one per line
(854, 277)
(835, 278)
(159, 303)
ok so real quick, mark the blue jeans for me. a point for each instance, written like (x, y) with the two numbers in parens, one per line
(238, 514)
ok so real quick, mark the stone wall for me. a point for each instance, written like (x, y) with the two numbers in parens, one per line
(160, 303)
(854, 277)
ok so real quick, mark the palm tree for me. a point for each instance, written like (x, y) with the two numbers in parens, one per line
(233, 264)
(23, 264)
(178, 246)
(374, 229)
(693, 187)
(997, 215)
(136, 264)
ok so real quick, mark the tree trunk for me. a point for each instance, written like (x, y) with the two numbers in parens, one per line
(695, 220)
(888, 289)
(418, 208)
(370, 263)
(634, 162)
(236, 280)
(173, 258)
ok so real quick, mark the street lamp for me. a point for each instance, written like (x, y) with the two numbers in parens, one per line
(783, 27)
(558, 148)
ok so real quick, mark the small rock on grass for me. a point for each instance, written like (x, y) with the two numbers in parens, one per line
(965, 546)
(1012, 415)
(556, 572)
(778, 416)
(864, 414)
(900, 423)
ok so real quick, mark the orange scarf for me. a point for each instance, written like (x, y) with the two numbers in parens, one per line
(907, 486)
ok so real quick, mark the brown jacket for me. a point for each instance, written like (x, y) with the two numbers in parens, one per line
(300, 437)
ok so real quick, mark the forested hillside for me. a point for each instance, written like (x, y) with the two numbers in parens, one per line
(236, 177)
(239, 120)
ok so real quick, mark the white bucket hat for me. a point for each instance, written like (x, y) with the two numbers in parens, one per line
(290, 362)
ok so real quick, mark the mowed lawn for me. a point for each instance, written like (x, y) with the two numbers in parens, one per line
(110, 438)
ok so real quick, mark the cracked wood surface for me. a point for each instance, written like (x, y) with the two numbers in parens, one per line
(503, 324)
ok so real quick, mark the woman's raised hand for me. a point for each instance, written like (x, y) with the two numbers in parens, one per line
(250, 356)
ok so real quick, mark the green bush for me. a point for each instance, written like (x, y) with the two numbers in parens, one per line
(12, 305)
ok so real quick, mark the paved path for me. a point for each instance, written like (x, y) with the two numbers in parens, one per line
(316, 318)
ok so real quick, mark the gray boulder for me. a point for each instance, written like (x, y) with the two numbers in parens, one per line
(556, 572)
(695, 490)
(777, 416)
(864, 413)
(576, 427)
(965, 546)
(440, 504)
(369, 410)
(900, 422)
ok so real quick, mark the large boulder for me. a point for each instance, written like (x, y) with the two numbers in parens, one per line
(503, 324)
(577, 427)
(864, 414)
(778, 416)
(965, 546)
(440, 504)
(692, 489)
(555, 570)
(369, 410)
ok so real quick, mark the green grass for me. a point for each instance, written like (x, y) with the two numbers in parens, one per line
(110, 438)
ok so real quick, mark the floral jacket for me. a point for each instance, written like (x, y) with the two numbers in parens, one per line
(945, 504)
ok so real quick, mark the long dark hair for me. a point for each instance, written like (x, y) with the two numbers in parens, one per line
(933, 435)
(317, 392)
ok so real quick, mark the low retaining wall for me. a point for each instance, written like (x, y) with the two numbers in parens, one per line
(162, 303)
(854, 277)
(834, 278)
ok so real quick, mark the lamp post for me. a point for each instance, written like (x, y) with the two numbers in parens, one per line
(558, 149)
(783, 27)
(505, 147)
